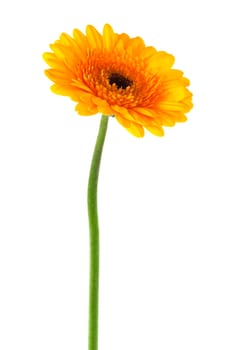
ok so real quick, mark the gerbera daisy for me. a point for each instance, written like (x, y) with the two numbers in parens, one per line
(119, 76)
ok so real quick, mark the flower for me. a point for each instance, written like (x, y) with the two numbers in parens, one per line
(119, 76)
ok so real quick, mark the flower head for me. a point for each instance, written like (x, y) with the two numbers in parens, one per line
(119, 76)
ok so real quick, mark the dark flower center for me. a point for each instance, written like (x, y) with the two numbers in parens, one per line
(120, 81)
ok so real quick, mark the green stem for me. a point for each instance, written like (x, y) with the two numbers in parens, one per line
(94, 236)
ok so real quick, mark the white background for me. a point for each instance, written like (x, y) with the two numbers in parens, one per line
(165, 203)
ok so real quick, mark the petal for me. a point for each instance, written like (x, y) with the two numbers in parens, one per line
(144, 120)
(85, 109)
(155, 130)
(145, 111)
(135, 46)
(148, 52)
(170, 106)
(53, 61)
(175, 93)
(124, 122)
(109, 37)
(122, 112)
(172, 74)
(133, 128)
(58, 76)
(94, 38)
(160, 62)
(65, 39)
(61, 90)
(136, 130)
(80, 38)
(79, 84)
(102, 105)
(64, 91)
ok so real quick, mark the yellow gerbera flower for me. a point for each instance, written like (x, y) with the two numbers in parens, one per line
(119, 76)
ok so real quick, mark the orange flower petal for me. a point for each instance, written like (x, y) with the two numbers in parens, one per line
(93, 37)
(86, 110)
(155, 130)
(108, 37)
(133, 128)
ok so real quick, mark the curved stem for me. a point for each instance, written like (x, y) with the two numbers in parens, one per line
(94, 236)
